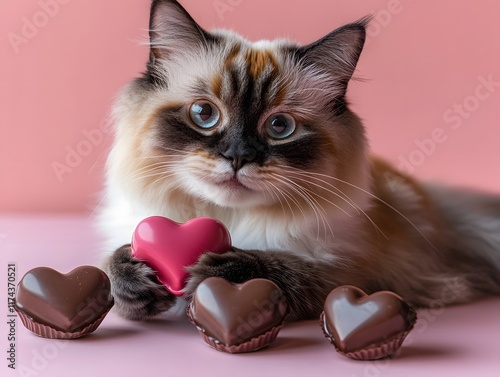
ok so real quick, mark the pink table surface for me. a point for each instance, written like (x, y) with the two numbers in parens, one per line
(456, 341)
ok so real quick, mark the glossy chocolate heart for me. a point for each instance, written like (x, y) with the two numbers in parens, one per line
(168, 247)
(238, 317)
(366, 327)
(64, 303)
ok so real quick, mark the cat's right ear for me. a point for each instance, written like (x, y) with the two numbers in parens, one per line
(336, 54)
(172, 31)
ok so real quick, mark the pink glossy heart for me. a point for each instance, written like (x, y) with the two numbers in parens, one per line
(169, 247)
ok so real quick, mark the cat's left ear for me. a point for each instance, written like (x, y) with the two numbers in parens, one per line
(172, 30)
(337, 53)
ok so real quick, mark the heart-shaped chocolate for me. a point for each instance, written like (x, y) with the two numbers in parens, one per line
(56, 305)
(238, 317)
(365, 326)
(168, 247)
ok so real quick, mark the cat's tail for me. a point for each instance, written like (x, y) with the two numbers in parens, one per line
(472, 232)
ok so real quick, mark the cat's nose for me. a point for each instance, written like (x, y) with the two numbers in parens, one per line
(239, 155)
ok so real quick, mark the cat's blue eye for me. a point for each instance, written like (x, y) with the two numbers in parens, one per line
(204, 114)
(280, 126)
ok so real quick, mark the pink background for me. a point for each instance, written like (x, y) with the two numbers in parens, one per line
(422, 58)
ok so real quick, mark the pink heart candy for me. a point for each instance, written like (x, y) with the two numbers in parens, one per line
(169, 247)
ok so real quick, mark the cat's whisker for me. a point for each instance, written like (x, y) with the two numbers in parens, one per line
(184, 153)
(145, 170)
(344, 196)
(339, 193)
(313, 203)
(351, 203)
(156, 165)
(159, 156)
(294, 200)
(139, 176)
(98, 205)
(201, 162)
(294, 189)
(392, 208)
(146, 176)
(284, 195)
(379, 200)
(163, 177)
(274, 196)
(277, 197)
(151, 172)
(313, 207)
(166, 164)
(322, 197)
(162, 157)
(297, 189)
(348, 200)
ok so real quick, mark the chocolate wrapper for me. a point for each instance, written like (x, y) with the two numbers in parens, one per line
(251, 345)
(46, 331)
(385, 349)
(379, 351)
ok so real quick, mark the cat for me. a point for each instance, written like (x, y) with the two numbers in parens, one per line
(261, 137)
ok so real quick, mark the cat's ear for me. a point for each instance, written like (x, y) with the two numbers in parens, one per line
(172, 30)
(337, 53)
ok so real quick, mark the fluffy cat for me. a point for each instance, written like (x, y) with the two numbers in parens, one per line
(260, 136)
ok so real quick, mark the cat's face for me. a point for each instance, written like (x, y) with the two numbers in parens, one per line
(241, 124)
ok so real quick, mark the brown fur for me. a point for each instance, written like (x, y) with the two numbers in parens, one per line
(258, 60)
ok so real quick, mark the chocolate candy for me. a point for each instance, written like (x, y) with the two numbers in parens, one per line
(238, 317)
(366, 327)
(63, 306)
(168, 247)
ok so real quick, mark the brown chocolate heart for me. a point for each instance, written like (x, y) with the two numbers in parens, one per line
(58, 305)
(366, 327)
(238, 317)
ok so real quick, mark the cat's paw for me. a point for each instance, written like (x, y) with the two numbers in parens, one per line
(137, 292)
(236, 266)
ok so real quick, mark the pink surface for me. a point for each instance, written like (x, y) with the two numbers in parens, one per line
(454, 341)
(168, 247)
(430, 100)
